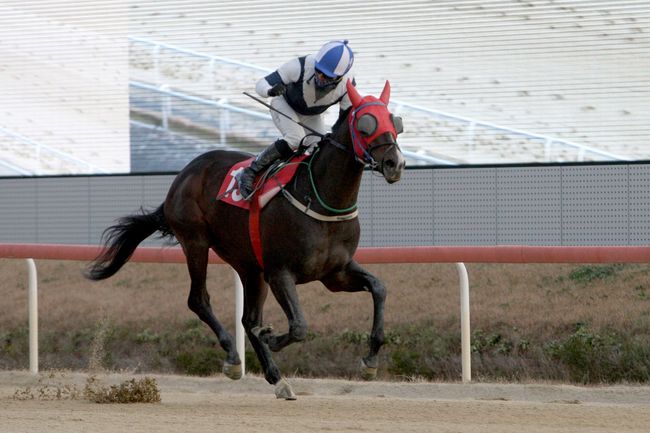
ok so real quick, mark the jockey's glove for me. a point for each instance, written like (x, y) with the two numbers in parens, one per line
(277, 90)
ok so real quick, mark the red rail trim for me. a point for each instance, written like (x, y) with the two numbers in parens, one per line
(374, 255)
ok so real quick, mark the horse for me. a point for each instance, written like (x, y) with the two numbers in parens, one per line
(315, 243)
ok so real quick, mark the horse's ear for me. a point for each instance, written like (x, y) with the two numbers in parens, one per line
(355, 98)
(385, 94)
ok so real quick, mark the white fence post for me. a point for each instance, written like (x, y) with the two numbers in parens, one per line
(165, 106)
(464, 323)
(33, 316)
(239, 327)
(224, 123)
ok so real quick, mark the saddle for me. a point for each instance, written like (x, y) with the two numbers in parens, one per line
(274, 179)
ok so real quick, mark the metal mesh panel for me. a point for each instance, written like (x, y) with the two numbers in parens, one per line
(402, 213)
(112, 198)
(595, 205)
(551, 205)
(639, 206)
(465, 206)
(529, 206)
(63, 211)
(18, 210)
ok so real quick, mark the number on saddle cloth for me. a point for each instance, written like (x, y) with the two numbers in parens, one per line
(229, 192)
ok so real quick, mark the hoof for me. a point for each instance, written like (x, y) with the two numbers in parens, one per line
(233, 371)
(368, 373)
(261, 331)
(283, 390)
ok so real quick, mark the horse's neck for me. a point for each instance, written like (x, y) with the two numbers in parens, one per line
(337, 174)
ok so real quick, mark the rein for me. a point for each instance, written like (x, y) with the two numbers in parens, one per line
(313, 187)
(352, 211)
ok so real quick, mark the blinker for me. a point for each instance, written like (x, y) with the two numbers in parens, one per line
(397, 122)
(367, 124)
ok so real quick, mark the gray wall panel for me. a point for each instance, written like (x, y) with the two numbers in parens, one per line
(18, 210)
(639, 205)
(154, 191)
(366, 212)
(595, 205)
(539, 205)
(529, 206)
(63, 214)
(402, 212)
(112, 198)
(465, 206)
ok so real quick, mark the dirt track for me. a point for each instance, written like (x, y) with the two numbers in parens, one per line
(220, 405)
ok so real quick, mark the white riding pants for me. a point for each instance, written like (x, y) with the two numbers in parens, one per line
(291, 131)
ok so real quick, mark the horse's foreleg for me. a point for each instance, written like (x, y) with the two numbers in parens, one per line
(199, 302)
(355, 279)
(283, 287)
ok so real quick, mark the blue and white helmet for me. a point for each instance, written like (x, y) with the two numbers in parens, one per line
(334, 59)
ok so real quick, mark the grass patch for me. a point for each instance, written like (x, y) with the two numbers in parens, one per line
(589, 273)
(607, 357)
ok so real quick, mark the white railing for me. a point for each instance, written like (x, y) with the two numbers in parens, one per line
(549, 143)
(40, 149)
(167, 109)
(18, 170)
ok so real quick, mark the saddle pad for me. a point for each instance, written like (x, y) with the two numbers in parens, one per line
(229, 191)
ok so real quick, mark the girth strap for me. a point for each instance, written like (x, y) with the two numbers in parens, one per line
(254, 228)
(316, 215)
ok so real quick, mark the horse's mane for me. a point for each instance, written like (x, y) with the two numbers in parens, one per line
(343, 117)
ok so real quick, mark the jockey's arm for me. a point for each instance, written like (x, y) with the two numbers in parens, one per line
(285, 74)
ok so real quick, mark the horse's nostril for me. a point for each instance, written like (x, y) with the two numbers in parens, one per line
(390, 163)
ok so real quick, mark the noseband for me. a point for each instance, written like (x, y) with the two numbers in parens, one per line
(367, 159)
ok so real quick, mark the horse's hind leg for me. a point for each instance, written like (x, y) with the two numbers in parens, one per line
(255, 291)
(199, 302)
(353, 278)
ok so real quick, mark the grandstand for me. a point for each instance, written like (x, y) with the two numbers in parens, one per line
(495, 81)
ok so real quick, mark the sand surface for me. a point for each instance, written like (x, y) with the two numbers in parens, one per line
(218, 404)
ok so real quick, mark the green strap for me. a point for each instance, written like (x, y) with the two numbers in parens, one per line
(320, 200)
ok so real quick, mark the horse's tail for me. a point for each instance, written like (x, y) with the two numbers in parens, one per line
(121, 240)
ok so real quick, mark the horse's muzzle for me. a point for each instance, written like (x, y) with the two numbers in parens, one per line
(392, 167)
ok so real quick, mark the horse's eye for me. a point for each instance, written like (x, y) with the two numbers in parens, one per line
(397, 123)
(367, 124)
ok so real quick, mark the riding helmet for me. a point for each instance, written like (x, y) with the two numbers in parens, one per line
(334, 59)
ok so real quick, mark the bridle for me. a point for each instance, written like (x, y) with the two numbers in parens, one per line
(363, 149)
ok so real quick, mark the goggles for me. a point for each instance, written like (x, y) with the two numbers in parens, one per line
(323, 80)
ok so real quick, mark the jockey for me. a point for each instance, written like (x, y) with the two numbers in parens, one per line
(303, 89)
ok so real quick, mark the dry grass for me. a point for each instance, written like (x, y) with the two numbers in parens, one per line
(541, 297)
(138, 320)
(56, 386)
(143, 390)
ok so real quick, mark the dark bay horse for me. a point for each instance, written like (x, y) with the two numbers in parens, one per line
(296, 248)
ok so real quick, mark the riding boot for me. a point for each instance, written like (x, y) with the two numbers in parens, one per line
(279, 149)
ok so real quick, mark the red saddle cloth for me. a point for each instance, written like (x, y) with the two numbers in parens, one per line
(229, 193)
